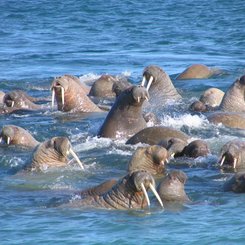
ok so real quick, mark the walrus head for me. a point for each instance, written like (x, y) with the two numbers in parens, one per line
(7, 135)
(15, 99)
(142, 181)
(196, 148)
(139, 95)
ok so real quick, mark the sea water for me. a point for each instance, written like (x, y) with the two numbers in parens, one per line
(42, 39)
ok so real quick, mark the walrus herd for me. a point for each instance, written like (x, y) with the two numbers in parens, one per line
(127, 118)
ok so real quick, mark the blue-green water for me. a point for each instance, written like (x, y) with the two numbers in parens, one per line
(42, 39)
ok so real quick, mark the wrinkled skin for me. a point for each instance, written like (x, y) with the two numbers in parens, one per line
(232, 155)
(150, 158)
(19, 100)
(50, 153)
(172, 187)
(196, 71)
(125, 117)
(228, 119)
(212, 97)
(125, 194)
(162, 88)
(75, 95)
(234, 98)
(17, 136)
(153, 135)
(236, 183)
(108, 86)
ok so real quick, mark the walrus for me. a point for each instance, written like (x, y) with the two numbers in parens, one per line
(212, 97)
(196, 71)
(71, 96)
(232, 155)
(52, 153)
(153, 135)
(234, 98)
(228, 119)
(14, 135)
(172, 187)
(125, 117)
(159, 85)
(130, 192)
(151, 158)
(108, 86)
(236, 183)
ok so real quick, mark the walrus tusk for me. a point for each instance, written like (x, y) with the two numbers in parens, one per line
(172, 155)
(235, 162)
(8, 140)
(12, 104)
(156, 194)
(146, 195)
(52, 100)
(146, 98)
(62, 96)
(143, 81)
(77, 159)
(149, 83)
(222, 161)
(167, 161)
(138, 99)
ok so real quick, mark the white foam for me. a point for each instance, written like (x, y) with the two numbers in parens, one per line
(89, 78)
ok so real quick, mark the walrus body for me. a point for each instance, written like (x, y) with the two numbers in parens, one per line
(128, 193)
(153, 135)
(71, 95)
(125, 117)
(14, 135)
(196, 71)
(150, 158)
(236, 183)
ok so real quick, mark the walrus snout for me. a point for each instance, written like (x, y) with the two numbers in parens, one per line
(228, 160)
(8, 100)
(140, 94)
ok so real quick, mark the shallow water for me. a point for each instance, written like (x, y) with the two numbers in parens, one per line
(43, 39)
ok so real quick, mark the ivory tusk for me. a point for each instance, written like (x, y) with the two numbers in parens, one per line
(172, 155)
(149, 83)
(77, 159)
(167, 161)
(234, 163)
(146, 195)
(62, 96)
(222, 161)
(143, 81)
(146, 98)
(156, 194)
(53, 95)
(138, 99)
(12, 104)
(8, 140)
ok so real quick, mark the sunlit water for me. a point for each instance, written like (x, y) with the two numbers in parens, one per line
(43, 39)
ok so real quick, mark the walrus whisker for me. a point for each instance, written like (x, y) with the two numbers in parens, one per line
(146, 195)
(8, 140)
(235, 162)
(52, 100)
(143, 81)
(149, 83)
(222, 161)
(156, 194)
(77, 159)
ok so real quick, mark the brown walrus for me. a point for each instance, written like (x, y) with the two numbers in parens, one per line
(228, 119)
(196, 71)
(125, 117)
(153, 135)
(172, 187)
(71, 95)
(14, 135)
(130, 192)
(234, 98)
(107, 86)
(159, 85)
(232, 155)
(236, 183)
(150, 158)
(52, 153)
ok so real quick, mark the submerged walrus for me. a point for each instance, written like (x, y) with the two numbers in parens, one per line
(172, 187)
(150, 158)
(125, 117)
(71, 95)
(52, 153)
(232, 155)
(197, 71)
(153, 135)
(236, 183)
(234, 98)
(159, 85)
(130, 192)
(14, 135)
